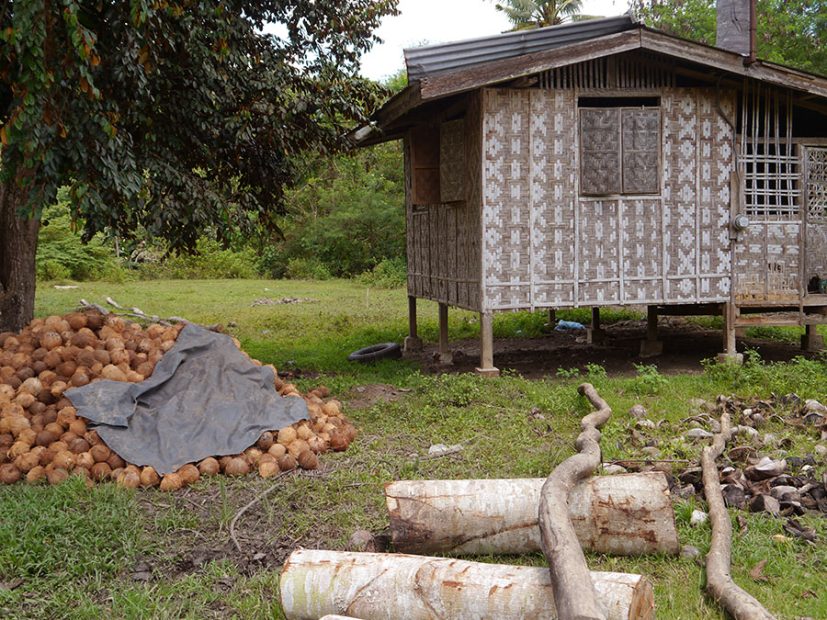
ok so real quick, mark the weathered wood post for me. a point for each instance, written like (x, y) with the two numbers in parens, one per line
(651, 347)
(412, 341)
(595, 334)
(445, 355)
(730, 353)
(487, 368)
(812, 341)
(552, 317)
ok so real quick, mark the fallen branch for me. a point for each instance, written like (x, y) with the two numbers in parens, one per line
(625, 514)
(740, 604)
(385, 586)
(571, 581)
(252, 503)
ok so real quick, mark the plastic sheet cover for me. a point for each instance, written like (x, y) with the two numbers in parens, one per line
(205, 398)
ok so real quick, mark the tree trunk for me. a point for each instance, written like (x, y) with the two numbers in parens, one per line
(379, 586)
(18, 246)
(627, 514)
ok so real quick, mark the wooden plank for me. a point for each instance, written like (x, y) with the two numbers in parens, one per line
(729, 61)
(399, 104)
(471, 78)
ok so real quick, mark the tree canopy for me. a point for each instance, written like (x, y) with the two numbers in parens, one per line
(789, 32)
(172, 115)
(525, 14)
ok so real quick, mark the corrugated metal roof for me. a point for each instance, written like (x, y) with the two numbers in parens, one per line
(425, 61)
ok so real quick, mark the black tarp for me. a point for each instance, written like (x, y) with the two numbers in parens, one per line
(205, 398)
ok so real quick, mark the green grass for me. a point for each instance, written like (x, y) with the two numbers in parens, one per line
(74, 549)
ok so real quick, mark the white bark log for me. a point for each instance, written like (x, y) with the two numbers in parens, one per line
(626, 514)
(376, 586)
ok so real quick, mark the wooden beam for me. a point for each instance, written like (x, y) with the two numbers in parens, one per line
(471, 78)
(399, 104)
(729, 61)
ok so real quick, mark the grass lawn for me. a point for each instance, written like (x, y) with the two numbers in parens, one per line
(68, 552)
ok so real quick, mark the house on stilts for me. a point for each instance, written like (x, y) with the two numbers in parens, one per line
(604, 163)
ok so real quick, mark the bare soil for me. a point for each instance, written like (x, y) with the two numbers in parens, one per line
(685, 346)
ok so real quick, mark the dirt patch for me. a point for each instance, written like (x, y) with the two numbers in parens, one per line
(364, 396)
(685, 346)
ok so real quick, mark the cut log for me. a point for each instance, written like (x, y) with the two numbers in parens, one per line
(626, 514)
(376, 586)
(574, 592)
(719, 583)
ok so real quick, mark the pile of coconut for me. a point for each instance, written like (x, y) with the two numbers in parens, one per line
(43, 439)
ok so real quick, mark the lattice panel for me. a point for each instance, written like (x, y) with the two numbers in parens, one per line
(506, 216)
(553, 181)
(599, 260)
(452, 160)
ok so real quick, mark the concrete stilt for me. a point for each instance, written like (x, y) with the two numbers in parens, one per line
(487, 368)
(730, 353)
(595, 334)
(412, 340)
(651, 347)
(812, 341)
(445, 355)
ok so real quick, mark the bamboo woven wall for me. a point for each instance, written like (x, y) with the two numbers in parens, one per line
(816, 195)
(545, 245)
(443, 238)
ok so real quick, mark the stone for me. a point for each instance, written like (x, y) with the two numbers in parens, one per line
(612, 468)
(691, 553)
(698, 433)
(698, 517)
(637, 411)
(645, 424)
(440, 449)
(745, 430)
(821, 450)
(651, 452)
(362, 540)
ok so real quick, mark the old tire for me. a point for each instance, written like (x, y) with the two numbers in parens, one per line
(376, 352)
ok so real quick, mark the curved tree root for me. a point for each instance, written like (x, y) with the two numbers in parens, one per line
(571, 581)
(719, 584)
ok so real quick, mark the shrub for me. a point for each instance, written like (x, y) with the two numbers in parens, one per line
(389, 273)
(62, 255)
(307, 269)
(210, 261)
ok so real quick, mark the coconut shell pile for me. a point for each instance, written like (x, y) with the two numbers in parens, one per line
(42, 439)
(758, 473)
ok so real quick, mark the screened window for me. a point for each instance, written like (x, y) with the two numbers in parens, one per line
(619, 150)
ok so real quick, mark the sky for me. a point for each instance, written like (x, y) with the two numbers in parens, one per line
(438, 21)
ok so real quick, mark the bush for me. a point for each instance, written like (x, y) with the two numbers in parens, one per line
(210, 261)
(62, 255)
(389, 273)
(307, 269)
(272, 263)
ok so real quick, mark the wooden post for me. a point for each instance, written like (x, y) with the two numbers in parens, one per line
(730, 353)
(812, 341)
(595, 334)
(487, 368)
(651, 347)
(445, 355)
(412, 341)
(552, 317)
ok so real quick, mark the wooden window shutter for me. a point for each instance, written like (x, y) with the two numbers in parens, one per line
(641, 151)
(425, 165)
(600, 151)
